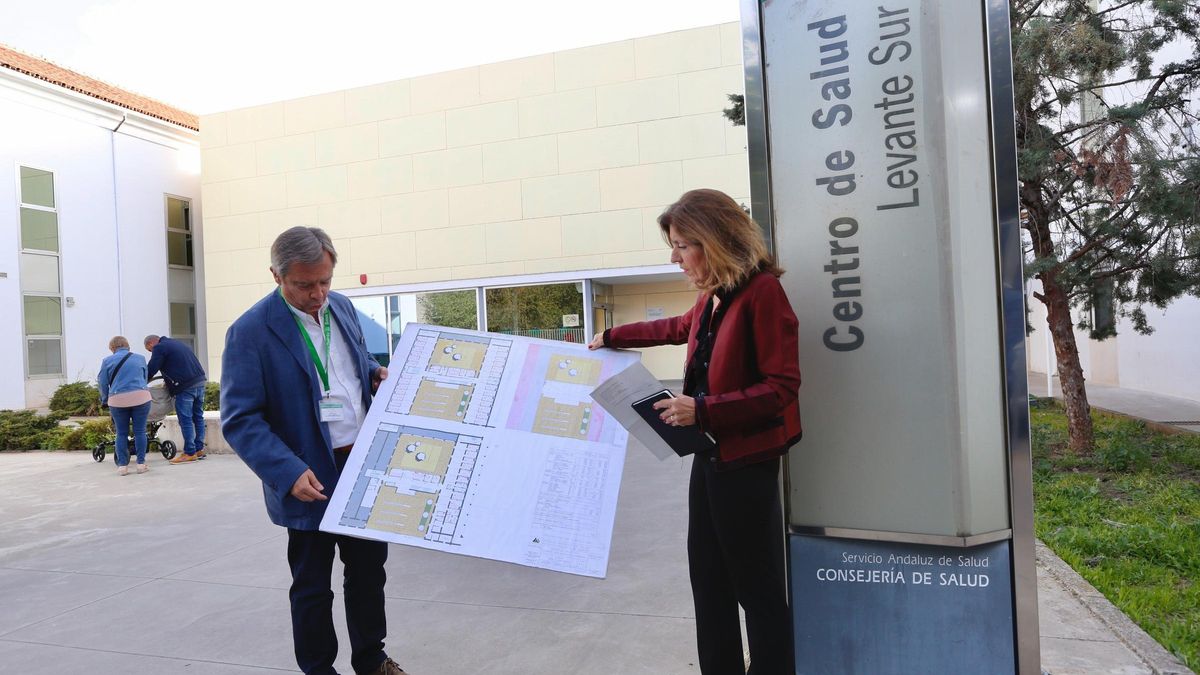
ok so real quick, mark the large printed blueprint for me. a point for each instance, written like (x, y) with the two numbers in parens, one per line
(488, 445)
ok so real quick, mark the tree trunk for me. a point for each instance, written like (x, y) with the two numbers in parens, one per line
(1058, 321)
(1070, 372)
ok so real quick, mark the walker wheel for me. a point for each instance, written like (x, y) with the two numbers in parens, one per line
(168, 449)
(98, 453)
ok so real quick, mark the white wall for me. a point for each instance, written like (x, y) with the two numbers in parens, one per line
(1165, 362)
(116, 279)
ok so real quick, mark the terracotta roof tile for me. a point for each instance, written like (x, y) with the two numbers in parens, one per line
(69, 79)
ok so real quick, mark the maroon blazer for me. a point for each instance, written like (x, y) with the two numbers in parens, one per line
(754, 373)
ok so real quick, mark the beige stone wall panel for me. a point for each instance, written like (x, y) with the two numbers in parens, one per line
(380, 254)
(378, 178)
(556, 113)
(229, 233)
(707, 91)
(214, 130)
(272, 223)
(228, 162)
(601, 148)
(519, 240)
(519, 78)
(415, 211)
(638, 101)
(443, 91)
(594, 66)
(561, 195)
(347, 144)
(603, 232)
(501, 269)
(316, 186)
(638, 186)
(486, 203)
(637, 258)
(378, 102)
(416, 276)
(521, 158)
(451, 246)
(480, 124)
(727, 173)
(287, 153)
(681, 138)
(447, 168)
(678, 52)
(264, 193)
(325, 111)
(410, 135)
(731, 44)
(360, 218)
(581, 262)
(226, 303)
(255, 124)
(215, 198)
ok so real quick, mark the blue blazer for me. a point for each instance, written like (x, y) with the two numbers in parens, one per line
(270, 394)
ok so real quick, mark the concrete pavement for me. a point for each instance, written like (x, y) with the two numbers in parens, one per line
(179, 571)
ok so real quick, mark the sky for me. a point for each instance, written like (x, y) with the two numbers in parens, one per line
(213, 55)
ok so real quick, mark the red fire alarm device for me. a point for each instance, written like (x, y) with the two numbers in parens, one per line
(362, 279)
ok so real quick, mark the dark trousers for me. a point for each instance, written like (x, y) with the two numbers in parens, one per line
(310, 555)
(735, 556)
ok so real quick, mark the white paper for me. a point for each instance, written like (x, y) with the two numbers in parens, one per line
(488, 445)
(617, 394)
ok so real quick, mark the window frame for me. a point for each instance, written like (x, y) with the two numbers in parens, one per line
(61, 338)
(188, 233)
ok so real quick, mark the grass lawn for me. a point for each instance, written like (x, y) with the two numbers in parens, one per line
(1126, 517)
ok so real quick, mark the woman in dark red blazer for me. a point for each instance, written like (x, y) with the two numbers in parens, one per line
(740, 384)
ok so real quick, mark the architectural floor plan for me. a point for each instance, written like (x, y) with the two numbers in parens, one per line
(488, 445)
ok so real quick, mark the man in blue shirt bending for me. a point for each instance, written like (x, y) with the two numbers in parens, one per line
(185, 379)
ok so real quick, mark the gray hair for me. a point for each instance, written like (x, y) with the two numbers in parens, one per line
(300, 244)
(151, 337)
(118, 342)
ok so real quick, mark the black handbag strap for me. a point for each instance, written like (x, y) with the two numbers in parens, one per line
(118, 368)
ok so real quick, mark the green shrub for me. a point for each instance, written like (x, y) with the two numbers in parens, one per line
(212, 396)
(76, 398)
(26, 430)
(83, 437)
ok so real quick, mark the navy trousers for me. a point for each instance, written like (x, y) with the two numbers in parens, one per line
(735, 557)
(310, 555)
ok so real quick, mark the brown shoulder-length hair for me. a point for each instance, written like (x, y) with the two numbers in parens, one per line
(733, 245)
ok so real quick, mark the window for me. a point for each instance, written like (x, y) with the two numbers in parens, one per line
(179, 232)
(550, 311)
(183, 323)
(41, 289)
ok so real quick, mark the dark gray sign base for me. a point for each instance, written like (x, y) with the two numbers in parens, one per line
(879, 608)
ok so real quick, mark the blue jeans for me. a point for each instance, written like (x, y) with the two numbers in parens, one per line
(122, 418)
(189, 406)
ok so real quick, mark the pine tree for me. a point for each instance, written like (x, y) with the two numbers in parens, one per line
(1109, 166)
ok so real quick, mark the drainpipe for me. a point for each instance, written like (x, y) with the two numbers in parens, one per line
(112, 144)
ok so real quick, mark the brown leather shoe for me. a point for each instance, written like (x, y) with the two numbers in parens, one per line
(388, 667)
(183, 458)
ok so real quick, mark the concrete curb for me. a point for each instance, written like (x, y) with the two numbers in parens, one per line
(1159, 660)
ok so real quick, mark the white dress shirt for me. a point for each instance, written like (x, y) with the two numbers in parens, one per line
(344, 385)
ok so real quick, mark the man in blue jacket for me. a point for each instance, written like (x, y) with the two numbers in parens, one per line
(185, 380)
(296, 383)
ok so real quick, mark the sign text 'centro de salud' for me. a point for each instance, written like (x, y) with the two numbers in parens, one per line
(883, 204)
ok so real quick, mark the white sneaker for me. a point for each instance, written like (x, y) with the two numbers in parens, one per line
(142, 468)
(122, 471)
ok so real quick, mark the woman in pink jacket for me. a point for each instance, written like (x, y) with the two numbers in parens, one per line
(741, 380)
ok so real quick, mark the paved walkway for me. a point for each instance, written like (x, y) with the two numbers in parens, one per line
(1156, 408)
(179, 571)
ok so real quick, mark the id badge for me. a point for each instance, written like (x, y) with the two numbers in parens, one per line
(332, 411)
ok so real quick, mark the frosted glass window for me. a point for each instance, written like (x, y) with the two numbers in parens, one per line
(37, 187)
(43, 316)
(44, 356)
(39, 273)
(39, 230)
(183, 320)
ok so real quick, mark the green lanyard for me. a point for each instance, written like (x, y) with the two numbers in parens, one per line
(312, 350)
